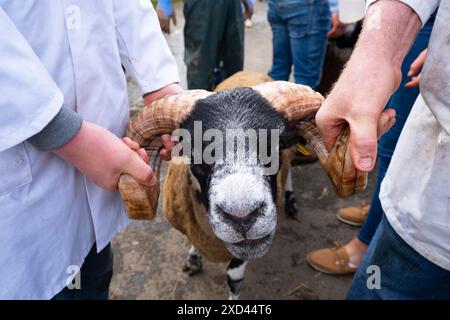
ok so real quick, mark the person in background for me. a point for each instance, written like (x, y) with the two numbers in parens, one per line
(213, 38)
(64, 108)
(346, 259)
(300, 34)
(409, 255)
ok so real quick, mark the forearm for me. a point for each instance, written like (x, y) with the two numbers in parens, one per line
(88, 150)
(67, 123)
(369, 79)
(59, 131)
(89, 139)
(389, 30)
(102, 157)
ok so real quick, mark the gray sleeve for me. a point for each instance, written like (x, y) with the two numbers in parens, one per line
(60, 130)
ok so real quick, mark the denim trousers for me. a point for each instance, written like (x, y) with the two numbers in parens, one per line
(95, 275)
(403, 274)
(402, 102)
(299, 38)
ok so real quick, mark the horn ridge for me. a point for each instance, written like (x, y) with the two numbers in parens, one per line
(294, 101)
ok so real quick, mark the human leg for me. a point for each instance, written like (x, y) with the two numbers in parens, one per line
(95, 276)
(232, 48)
(308, 30)
(203, 32)
(282, 58)
(391, 269)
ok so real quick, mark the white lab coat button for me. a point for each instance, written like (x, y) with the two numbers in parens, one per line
(73, 17)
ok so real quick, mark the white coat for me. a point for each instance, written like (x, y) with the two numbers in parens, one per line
(55, 52)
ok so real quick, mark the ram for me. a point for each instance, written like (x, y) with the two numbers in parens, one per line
(228, 208)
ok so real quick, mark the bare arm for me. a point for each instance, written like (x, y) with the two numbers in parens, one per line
(103, 157)
(369, 79)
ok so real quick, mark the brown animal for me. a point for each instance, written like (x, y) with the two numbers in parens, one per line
(228, 209)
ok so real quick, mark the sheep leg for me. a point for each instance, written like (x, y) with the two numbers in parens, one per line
(290, 203)
(235, 276)
(193, 263)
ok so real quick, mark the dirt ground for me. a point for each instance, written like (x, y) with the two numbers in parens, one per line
(149, 255)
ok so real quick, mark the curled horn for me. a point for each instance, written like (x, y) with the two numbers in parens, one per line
(146, 128)
(299, 104)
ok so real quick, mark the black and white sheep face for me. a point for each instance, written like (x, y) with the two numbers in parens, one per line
(242, 210)
(239, 194)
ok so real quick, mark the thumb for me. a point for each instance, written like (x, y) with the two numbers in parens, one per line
(363, 143)
(329, 125)
(139, 170)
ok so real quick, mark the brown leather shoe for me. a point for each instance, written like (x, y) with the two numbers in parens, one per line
(354, 216)
(331, 260)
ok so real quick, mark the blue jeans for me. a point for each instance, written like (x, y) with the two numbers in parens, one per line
(95, 275)
(404, 273)
(299, 38)
(402, 101)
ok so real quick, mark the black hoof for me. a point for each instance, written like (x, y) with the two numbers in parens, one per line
(290, 204)
(193, 265)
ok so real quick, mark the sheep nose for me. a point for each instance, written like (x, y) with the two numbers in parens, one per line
(240, 220)
(239, 213)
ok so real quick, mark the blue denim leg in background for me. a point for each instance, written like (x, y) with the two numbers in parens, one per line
(404, 273)
(402, 101)
(299, 38)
